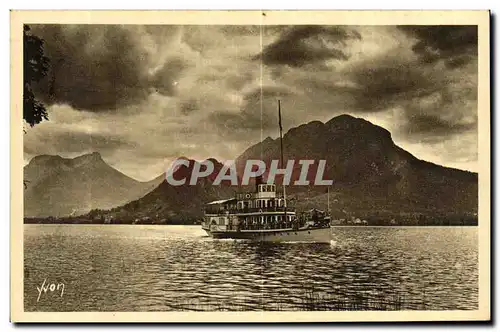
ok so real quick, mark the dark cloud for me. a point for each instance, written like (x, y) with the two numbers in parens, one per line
(418, 84)
(388, 81)
(455, 45)
(258, 111)
(98, 67)
(425, 123)
(432, 103)
(300, 45)
(164, 80)
(449, 111)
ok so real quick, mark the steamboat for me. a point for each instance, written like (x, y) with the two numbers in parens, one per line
(263, 215)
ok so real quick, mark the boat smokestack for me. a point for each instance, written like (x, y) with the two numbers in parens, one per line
(258, 180)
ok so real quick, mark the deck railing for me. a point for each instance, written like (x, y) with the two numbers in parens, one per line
(248, 210)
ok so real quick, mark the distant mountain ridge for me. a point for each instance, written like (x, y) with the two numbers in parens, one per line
(371, 175)
(180, 204)
(57, 186)
(365, 164)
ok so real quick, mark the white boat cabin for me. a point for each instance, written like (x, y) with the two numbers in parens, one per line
(262, 209)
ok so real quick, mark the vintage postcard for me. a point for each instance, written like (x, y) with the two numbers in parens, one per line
(250, 166)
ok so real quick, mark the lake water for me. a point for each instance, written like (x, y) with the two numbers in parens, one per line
(171, 268)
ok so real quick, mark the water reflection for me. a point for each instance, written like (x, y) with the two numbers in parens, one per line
(162, 268)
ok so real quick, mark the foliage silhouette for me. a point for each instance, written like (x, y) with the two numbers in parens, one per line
(35, 67)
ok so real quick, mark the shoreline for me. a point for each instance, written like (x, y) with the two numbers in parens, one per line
(191, 225)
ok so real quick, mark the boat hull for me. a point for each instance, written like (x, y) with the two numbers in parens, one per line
(283, 235)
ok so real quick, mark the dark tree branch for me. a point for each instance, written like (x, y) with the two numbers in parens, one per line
(36, 66)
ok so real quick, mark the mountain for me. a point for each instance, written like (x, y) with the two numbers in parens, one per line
(179, 204)
(57, 186)
(372, 178)
(369, 171)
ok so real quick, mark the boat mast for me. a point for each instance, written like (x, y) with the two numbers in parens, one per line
(328, 206)
(282, 158)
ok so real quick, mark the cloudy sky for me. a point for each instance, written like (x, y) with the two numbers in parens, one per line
(144, 95)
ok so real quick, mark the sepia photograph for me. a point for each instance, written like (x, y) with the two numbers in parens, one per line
(250, 166)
